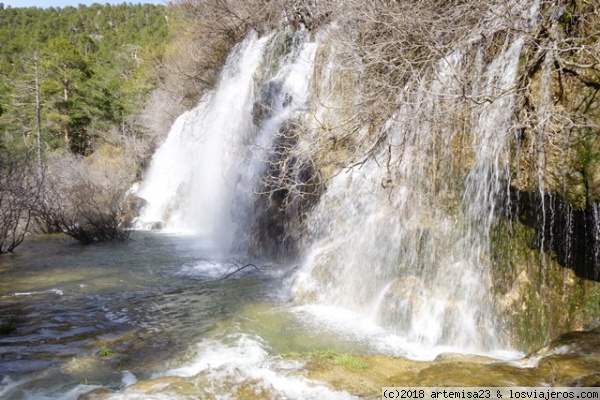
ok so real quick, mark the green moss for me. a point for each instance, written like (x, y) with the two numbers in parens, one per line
(9, 325)
(532, 323)
(536, 297)
(575, 191)
(591, 300)
(324, 353)
(510, 251)
(351, 363)
(565, 19)
(105, 352)
(327, 353)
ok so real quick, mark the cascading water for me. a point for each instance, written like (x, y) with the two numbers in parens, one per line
(406, 244)
(396, 248)
(402, 240)
(283, 99)
(204, 178)
(191, 180)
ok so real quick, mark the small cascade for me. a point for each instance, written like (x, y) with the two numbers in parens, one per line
(282, 101)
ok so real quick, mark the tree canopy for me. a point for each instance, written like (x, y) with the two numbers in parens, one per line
(93, 64)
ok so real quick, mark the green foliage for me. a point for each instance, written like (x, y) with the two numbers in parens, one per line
(95, 68)
(324, 353)
(9, 325)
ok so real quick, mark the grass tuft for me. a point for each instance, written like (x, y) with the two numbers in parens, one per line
(350, 363)
(105, 352)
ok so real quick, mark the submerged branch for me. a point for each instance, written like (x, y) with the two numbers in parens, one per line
(237, 267)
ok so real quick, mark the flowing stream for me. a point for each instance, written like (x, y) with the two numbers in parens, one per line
(181, 304)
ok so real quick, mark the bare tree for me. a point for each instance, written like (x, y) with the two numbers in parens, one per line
(20, 185)
(210, 28)
(559, 117)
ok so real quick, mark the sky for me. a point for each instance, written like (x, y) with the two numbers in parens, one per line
(75, 3)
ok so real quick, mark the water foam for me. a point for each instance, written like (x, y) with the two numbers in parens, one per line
(247, 360)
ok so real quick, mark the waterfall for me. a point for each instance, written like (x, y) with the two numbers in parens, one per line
(205, 177)
(404, 238)
(191, 180)
(282, 100)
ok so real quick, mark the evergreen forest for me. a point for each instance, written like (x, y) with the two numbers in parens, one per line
(91, 67)
(73, 84)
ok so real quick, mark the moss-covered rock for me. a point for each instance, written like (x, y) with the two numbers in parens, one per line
(536, 297)
(571, 360)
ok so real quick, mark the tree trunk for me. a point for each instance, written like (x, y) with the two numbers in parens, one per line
(38, 117)
(66, 98)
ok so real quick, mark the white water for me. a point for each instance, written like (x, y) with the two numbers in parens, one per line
(203, 179)
(397, 251)
(247, 359)
(403, 242)
(191, 181)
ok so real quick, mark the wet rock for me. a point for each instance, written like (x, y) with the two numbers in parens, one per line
(133, 206)
(456, 357)
(90, 369)
(573, 359)
(403, 299)
(156, 225)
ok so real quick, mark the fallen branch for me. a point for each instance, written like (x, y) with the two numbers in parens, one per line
(238, 267)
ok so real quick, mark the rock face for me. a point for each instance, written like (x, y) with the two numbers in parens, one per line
(571, 233)
(478, 186)
(555, 157)
(488, 199)
(133, 206)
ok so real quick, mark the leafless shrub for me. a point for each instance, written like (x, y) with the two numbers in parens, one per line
(234, 266)
(208, 29)
(396, 41)
(206, 32)
(20, 184)
(289, 187)
(387, 47)
(203, 35)
(86, 198)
